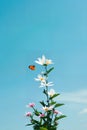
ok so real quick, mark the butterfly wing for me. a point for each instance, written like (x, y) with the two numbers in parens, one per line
(31, 67)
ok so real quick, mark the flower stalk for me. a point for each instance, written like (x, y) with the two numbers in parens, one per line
(49, 119)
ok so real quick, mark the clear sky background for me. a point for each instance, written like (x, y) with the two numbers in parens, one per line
(57, 29)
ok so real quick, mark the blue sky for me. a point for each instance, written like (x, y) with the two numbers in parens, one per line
(57, 29)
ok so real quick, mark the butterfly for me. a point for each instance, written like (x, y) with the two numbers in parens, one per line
(32, 67)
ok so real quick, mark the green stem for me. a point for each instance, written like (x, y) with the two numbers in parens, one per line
(46, 68)
(48, 114)
(47, 87)
(47, 96)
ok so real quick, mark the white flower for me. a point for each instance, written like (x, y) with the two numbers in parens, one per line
(44, 84)
(43, 61)
(51, 92)
(47, 108)
(40, 78)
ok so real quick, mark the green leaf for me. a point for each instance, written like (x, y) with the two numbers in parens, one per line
(52, 103)
(55, 95)
(60, 117)
(36, 127)
(58, 105)
(36, 113)
(28, 124)
(45, 91)
(43, 128)
(53, 128)
(42, 103)
(35, 121)
(48, 71)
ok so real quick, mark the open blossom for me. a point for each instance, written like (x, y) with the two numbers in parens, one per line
(28, 114)
(47, 108)
(31, 105)
(43, 61)
(51, 92)
(57, 112)
(42, 115)
(44, 84)
(40, 78)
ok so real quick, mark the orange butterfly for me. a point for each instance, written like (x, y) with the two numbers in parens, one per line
(32, 67)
